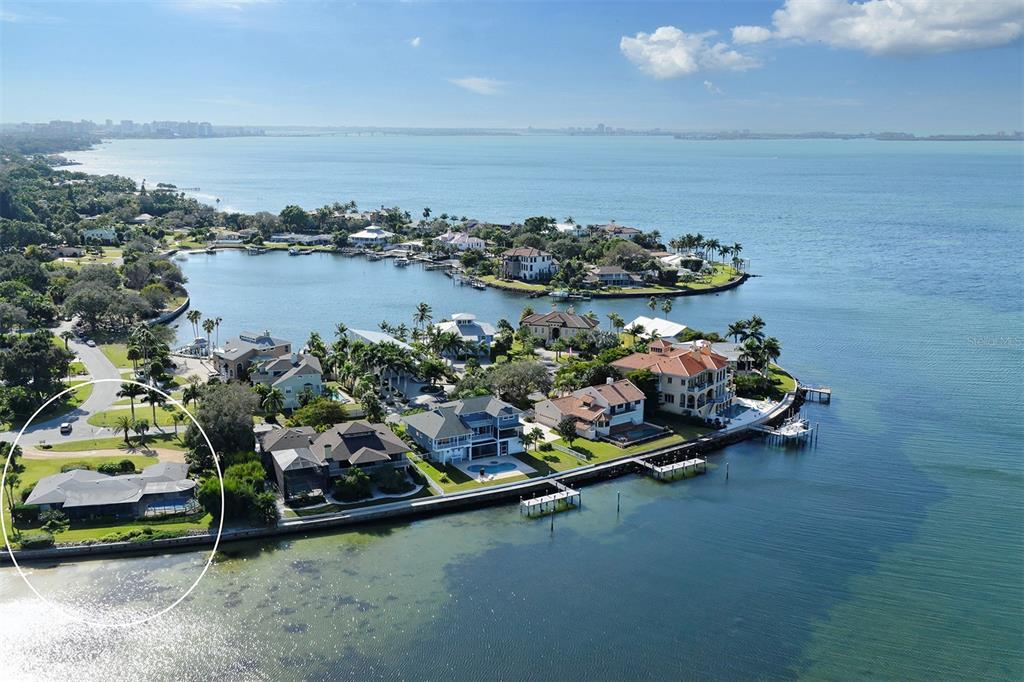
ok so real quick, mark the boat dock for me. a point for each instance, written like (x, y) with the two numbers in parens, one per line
(565, 498)
(819, 394)
(682, 468)
(793, 429)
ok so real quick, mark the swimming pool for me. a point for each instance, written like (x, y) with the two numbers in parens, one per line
(492, 467)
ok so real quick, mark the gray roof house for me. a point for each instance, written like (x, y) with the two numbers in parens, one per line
(304, 460)
(557, 324)
(467, 429)
(480, 334)
(234, 358)
(291, 374)
(83, 494)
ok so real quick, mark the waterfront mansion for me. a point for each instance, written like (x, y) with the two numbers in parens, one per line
(528, 264)
(692, 378)
(467, 429)
(598, 410)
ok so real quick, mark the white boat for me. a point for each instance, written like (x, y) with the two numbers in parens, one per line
(401, 262)
(559, 295)
(293, 251)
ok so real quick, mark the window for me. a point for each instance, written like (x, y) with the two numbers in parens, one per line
(669, 398)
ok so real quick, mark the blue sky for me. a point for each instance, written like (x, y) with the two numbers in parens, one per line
(913, 65)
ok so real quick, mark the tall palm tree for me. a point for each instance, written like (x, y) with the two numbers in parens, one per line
(636, 331)
(134, 353)
(66, 335)
(666, 306)
(273, 403)
(124, 423)
(341, 333)
(771, 348)
(154, 398)
(711, 247)
(527, 311)
(131, 391)
(652, 303)
(216, 322)
(422, 315)
(755, 329)
(208, 326)
(194, 316)
(616, 321)
(191, 394)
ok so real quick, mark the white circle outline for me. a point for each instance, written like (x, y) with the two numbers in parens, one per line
(220, 526)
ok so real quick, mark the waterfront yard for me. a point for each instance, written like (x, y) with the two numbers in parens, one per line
(723, 274)
(596, 452)
(454, 480)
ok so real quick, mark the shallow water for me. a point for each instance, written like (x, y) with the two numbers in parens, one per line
(894, 549)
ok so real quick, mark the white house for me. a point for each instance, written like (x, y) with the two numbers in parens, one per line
(598, 410)
(480, 334)
(571, 229)
(528, 264)
(658, 327)
(103, 235)
(371, 236)
(463, 241)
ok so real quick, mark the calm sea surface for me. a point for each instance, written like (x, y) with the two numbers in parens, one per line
(895, 549)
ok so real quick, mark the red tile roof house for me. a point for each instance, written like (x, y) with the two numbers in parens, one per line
(599, 410)
(692, 379)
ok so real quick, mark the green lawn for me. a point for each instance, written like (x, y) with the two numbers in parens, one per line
(598, 451)
(142, 411)
(687, 428)
(86, 531)
(62, 406)
(514, 284)
(454, 480)
(783, 381)
(158, 440)
(298, 512)
(548, 462)
(117, 353)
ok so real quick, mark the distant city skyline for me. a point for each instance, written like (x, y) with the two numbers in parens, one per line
(923, 67)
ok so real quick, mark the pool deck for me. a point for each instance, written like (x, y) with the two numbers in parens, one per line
(520, 467)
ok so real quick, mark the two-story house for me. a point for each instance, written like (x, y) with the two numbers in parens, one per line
(598, 410)
(692, 378)
(477, 335)
(304, 460)
(556, 324)
(292, 374)
(467, 429)
(610, 276)
(528, 264)
(233, 360)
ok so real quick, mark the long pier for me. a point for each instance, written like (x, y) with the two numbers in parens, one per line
(565, 498)
(694, 466)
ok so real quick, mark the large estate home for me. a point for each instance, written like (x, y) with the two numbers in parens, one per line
(478, 335)
(292, 374)
(528, 264)
(84, 494)
(692, 378)
(100, 235)
(304, 460)
(557, 324)
(463, 241)
(467, 429)
(371, 236)
(598, 410)
(233, 360)
(613, 229)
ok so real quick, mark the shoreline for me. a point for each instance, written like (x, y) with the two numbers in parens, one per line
(423, 507)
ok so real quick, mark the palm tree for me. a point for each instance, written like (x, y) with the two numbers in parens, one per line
(422, 314)
(216, 322)
(755, 329)
(771, 348)
(426, 213)
(711, 246)
(191, 394)
(141, 428)
(124, 423)
(666, 306)
(177, 417)
(636, 331)
(194, 316)
(66, 335)
(652, 303)
(134, 353)
(341, 333)
(131, 391)
(154, 398)
(737, 329)
(273, 403)
(208, 326)
(616, 321)
(559, 346)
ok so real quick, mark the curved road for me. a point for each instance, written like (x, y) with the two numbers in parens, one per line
(102, 397)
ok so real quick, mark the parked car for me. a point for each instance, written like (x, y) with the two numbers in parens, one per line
(90, 343)
(65, 429)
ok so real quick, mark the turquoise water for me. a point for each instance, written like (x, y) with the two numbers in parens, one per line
(895, 549)
(492, 468)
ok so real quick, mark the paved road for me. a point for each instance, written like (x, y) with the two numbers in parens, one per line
(102, 397)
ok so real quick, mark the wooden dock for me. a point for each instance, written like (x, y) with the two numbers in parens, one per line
(564, 498)
(793, 430)
(819, 394)
(687, 466)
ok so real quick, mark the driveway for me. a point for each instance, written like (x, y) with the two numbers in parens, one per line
(102, 397)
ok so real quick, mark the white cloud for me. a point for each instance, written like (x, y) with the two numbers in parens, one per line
(894, 26)
(746, 35)
(415, 42)
(671, 53)
(479, 85)
(712, 88)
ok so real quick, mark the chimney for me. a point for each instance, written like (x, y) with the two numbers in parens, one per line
(609, 381)
(327, 450)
